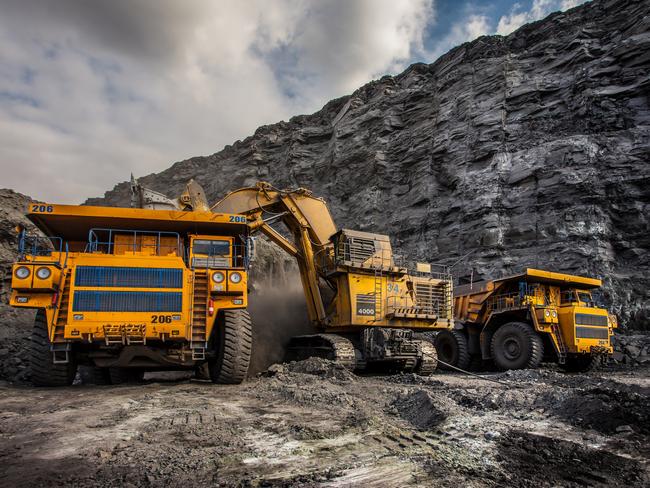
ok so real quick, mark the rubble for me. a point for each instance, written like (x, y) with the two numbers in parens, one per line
(631, 349)
(319, 367)
(301, 425)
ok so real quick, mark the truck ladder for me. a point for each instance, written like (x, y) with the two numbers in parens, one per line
(58, 345)
(560, 342)
(449, 300)
(198, 332)
(379, 306)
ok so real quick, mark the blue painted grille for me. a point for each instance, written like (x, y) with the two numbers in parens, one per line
(127, 301)
(590, 319)
(591, 333)
(96, 276)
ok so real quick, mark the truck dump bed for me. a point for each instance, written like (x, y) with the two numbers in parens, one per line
(469, 298)
(73, 222)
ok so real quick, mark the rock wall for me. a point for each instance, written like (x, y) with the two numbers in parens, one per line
(15, 325)
(526, 150)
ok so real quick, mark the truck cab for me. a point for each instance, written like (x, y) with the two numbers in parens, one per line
(586, 326)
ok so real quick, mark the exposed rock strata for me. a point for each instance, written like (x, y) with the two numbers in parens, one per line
(15, 325)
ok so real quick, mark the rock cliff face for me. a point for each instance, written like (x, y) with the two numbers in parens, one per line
(529, 150)
(15, 324)
(12, 213)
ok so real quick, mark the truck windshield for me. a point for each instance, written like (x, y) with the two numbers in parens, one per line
(211, 248)
(568, 296)
(585, 297)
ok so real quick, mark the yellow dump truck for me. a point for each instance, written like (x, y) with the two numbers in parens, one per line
(519, 320)
(124, 290)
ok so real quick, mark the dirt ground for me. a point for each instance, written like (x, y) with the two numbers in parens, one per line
(314, 424)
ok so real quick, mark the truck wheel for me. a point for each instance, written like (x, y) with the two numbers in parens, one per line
(43, 370)
(120, 376)
(451, 346)
(428, 363)
(92, 375)
(581, 363)
(516, 345)
(234, 338)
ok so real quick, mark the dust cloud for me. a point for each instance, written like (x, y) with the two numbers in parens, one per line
(276, 304)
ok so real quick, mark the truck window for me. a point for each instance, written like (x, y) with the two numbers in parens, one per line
(585, 297)
(568, 297)
(211, 248)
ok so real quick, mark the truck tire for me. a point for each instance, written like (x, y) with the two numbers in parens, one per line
(121, 376)
(43, 370)
(451, 346)
(580, 363)
(233, 341)
(516, 345)
(92, 375)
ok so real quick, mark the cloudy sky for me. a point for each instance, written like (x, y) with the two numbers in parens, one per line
(91, 91)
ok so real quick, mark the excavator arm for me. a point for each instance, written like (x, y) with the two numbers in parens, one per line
(306, 217)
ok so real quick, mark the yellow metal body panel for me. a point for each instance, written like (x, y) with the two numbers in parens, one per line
(482, 302)
(156, 325)
(552, 277)
(570, 328)
(386, 301)
(72, 222)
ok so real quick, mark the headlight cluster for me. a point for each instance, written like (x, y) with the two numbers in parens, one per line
(22, 272)
(219, 277)
(43, 273)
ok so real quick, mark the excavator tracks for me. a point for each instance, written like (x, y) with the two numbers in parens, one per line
(429, 361)
(327, 346)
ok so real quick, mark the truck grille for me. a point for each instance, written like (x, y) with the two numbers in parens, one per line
(126, 301)
(99, 276)
(591, 333)
(591, 319)
(433, 299)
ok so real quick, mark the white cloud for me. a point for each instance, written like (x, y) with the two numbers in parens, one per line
(539, 9)
(90, 91)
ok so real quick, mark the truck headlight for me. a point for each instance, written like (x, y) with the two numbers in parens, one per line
(218, 277)
(43, 273)
(547, 313)
(235, 277)
(554, 314)
(22, 272)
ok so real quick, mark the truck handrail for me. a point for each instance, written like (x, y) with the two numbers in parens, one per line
(40, 246)
(95, 244)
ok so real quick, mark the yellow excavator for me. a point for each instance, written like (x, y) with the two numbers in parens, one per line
(365, 303)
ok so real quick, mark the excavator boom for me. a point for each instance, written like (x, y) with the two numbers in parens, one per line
(306, 217)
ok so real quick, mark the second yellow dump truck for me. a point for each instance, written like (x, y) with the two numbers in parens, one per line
(520, 320)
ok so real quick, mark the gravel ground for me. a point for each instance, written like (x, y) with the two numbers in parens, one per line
(314, 424)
